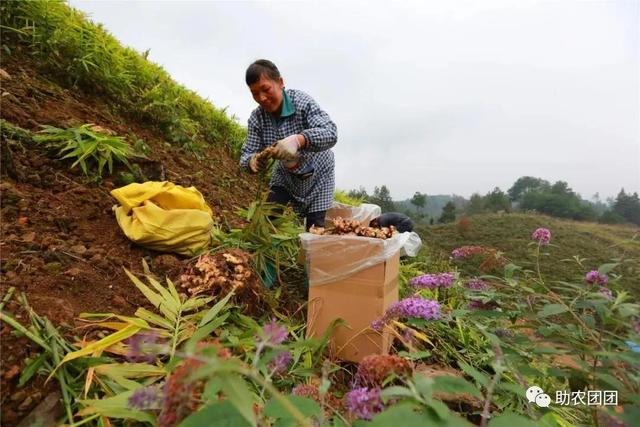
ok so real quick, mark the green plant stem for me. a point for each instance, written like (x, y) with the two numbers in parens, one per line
(538, 263)
(176, 331)
(86, 420)
(18, 327)
(290, 407)
(7, 297)
(60, 375)
(486, 410)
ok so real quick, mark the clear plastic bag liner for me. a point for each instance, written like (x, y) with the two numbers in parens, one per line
(363, 213)
(331, 258)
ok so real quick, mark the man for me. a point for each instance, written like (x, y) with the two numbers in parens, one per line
(400, 221)
(302, 135)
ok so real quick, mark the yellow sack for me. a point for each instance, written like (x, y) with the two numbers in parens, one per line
(164, 216)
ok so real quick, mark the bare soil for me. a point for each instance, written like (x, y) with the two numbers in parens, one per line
(60, 242)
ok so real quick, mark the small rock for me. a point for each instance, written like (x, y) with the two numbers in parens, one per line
(78, 249)
(116, 260)
(25, 404)
(73, 272)
(166, 262)
(11, 372)
(48, 411)
(119, 301)
(53, 267)
(103, 264)
(29, 237)
(4, 75)
(18, 395)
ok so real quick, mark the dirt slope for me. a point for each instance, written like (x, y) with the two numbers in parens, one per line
(61, 244)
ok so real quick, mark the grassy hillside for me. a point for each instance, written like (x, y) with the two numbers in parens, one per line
(595, 244)
(80, 54)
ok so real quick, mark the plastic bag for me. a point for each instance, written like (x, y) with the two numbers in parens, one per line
(335, 257)
(363, 213)
(164, 216)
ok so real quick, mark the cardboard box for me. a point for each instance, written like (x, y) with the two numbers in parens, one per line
(358, 299)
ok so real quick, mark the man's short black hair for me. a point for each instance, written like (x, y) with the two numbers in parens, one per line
(260, 67)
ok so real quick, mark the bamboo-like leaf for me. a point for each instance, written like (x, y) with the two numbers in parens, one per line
(100, 344)
(195, 303)
(115, 407)
(90, 375)
(154, 318)
(173, 290)
(172, 303)
(153, 297)
(213, 312)
(239, 395)
(130, 370)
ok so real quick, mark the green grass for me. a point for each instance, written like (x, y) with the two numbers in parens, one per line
(595, 244)
(81, 54)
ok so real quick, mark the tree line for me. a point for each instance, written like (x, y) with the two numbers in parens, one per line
(527, 194)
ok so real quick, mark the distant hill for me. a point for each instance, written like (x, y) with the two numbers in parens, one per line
(595, 243)
(433, 207)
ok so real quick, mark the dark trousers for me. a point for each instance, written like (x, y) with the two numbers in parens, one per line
(281, 196)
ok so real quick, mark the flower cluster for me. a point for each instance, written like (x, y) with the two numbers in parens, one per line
(306, 390)
(409, 307)
(144, 347)
(146, 398)
(281, 362)
(595, 278)
(181, 395)
(273, 333)
(477, 285)
(467, 251)
(606, 292)
(433, 281)
(375, 368)
(364, 403)
(542, 236)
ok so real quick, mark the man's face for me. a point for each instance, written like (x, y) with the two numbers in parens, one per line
(267, 93)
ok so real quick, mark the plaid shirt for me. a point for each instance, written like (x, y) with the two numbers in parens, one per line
(315, 193)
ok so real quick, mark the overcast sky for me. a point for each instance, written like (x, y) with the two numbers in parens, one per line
(439, 97)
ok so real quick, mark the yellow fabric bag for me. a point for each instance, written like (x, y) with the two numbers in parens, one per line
(164, 216)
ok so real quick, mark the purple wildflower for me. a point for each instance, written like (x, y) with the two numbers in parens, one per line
(467, 251)
(273, 333)
(477, 285)
(281, 362)
(432, 281)
(409, 335)
(414, 307)
(503, 333)
(377, 324)
(542, 236)
(364, 403)
(146, 398)
(409, 307)
(606, 292)
(595, 277)
(144, 347)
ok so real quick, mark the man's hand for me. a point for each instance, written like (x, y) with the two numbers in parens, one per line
(258, 163)
(287, 148)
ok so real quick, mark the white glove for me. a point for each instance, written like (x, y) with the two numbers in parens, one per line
(258, 164)
(287, 148)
